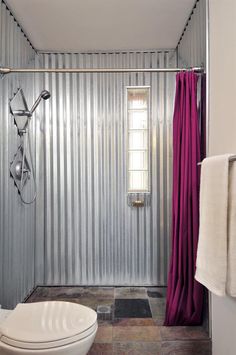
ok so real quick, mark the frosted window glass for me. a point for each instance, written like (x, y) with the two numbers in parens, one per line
(138, 181)
(137, 119)
(138, 160)
(137, 98)
(138, 140)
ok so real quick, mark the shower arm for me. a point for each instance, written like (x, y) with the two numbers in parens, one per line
(35, 105)
(4, 71)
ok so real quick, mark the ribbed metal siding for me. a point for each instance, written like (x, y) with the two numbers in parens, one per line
(192, 48)
(16, 221)
(86, 233)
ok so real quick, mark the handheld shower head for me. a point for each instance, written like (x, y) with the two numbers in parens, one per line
(44, 95)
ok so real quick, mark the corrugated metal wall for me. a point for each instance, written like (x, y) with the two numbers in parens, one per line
(81, 230)
(86, 233)
(192, 47)
(17, 222)
(192, 51)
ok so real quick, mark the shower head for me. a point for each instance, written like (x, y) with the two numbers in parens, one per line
(20, 111)
(43, 95)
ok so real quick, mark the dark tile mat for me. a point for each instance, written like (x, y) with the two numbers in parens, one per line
(132, 308)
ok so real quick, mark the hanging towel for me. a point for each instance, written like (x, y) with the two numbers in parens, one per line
(231, 275)
(216, 257)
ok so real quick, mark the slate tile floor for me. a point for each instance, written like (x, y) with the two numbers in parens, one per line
(136, 325)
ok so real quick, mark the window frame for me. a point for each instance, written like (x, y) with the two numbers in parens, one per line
(127, 88)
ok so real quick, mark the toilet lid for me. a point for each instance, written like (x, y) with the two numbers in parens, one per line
(36, 324)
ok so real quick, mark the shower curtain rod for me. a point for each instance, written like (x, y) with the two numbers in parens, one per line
(4, 70)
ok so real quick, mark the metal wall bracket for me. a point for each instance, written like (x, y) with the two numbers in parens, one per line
(20, 178)
(139, 199)
(20, 111)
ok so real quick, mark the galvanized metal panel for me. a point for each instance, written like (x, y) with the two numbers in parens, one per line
(81, 230)
(16, 221)
(88, 234)
(192, 47)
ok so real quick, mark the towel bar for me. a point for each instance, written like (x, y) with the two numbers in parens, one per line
(231, 159)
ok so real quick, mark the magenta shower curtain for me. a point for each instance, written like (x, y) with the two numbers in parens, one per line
(184, 294)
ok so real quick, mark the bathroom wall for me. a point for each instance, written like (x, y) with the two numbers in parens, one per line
(222, 139)
(86, 232)
(17, 222)
(192, 45)
(222, 128)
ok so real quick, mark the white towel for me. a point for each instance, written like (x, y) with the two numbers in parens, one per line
(217, 234)
(231, 275)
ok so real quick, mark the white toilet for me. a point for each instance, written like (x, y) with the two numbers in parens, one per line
(60, 328)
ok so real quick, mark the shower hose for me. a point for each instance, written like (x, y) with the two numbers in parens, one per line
(26, 144)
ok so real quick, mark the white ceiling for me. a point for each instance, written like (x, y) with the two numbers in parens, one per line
(91, 25)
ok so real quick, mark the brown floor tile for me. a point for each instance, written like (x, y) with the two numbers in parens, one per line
(160, 320)
(93, 302)
(104, 334)
(183, 333)
(156, 292)
(57, 292)
(158, 302)
(101, 349)
(98, 292)
(130, 292)
(136, 333)
(102, 322)
(187, 347)
(33, 299)
(124, 322)
(137, 348)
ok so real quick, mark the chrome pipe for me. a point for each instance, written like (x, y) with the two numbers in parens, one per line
(97, 70)
(232, 159)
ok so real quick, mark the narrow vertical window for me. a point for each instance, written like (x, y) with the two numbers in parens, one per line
(138, 139)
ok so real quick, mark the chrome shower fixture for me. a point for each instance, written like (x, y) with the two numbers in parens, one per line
(44, 95)
(19, 109)
(21, 168)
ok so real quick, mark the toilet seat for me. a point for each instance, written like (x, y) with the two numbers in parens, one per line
(46, 325)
